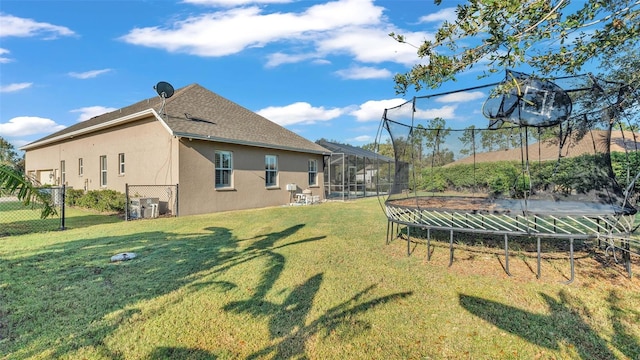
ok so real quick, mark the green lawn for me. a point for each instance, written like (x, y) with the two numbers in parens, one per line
(313, 282)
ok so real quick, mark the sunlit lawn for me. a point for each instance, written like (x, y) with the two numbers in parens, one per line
(314, 282)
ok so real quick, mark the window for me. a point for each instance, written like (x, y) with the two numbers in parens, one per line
(313, 172)
(103, 170)
(121, 163)
(224, 169)
(80, 167)
(63, 173)
(271, 170)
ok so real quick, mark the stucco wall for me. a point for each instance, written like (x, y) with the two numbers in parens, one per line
(147, 145)
(198, 193)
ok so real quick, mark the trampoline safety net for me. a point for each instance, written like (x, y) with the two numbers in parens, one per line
(545, 158)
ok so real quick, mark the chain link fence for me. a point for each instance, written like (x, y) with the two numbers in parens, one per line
(151, 201)
(18, 219)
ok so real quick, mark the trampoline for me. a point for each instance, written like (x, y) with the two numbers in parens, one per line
(549, 159)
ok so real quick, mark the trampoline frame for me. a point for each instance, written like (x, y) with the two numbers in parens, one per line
(614, 229)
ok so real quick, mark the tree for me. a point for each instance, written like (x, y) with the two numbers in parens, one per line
(434, 138)
(548, 35)
(8, 155)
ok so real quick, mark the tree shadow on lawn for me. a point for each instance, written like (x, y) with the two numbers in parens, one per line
(56, 301)
(563, 324)
(287, 320)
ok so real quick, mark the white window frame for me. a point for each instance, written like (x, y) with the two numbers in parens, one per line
(80, 167)
(313, 172)
(271, 171)
(103, 170)
(121, 164)
(223, 174)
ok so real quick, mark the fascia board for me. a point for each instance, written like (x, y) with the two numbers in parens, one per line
(247, 143)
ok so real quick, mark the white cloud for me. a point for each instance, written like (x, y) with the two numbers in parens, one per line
(299, 113)
(364, 72)
(29, 125)
(463, 96)
(446, 14)
(22, 27)
(277, 59)
(3, 58)
(225, 32)
(372, 110)
(89, 112)
(232, 3)
(15, 87)
(405, 113)
(88, 74)
(362, 139)
(373, 45)
(445, 112)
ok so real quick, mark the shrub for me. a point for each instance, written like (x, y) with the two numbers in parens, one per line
(102, 200)
(72, 196)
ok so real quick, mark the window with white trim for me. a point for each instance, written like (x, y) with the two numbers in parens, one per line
(121, 164)
(313, 172)
(80, 167)
(271, 170)
(103, 170)
(224, 169)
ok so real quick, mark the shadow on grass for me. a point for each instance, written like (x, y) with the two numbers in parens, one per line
(563, 325)
(57, 300)
(69, 296)
(288, 320)
(178, 353)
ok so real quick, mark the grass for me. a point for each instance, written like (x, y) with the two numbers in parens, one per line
(313, 282)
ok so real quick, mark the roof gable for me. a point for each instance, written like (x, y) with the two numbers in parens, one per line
(196, 112)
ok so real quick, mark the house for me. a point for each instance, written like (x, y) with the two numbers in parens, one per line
(223, 156)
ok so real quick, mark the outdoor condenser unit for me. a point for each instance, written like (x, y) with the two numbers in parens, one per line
(144, 208)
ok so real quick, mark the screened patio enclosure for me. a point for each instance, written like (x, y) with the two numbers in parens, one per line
(351, 172)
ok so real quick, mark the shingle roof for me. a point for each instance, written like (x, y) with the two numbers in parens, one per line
(352, 150)
(196, 112)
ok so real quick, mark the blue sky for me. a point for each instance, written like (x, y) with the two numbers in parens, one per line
(323, 69)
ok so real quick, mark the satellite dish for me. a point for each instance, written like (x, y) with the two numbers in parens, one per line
(164, 89)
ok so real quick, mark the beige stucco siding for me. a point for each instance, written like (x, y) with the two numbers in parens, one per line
(150, 154)
(198, 193)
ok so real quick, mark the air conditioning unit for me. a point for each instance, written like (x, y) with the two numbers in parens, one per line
(143, 208)
(292, 187)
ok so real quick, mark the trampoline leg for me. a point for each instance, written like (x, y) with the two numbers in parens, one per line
(506, 254)
(571, 262)
(428, 244)
(450, 247)
(388, 223)
(538, 274)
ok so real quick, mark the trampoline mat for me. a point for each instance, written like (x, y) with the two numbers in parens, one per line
(512, 206)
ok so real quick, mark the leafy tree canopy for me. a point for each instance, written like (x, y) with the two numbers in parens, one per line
(551, 36)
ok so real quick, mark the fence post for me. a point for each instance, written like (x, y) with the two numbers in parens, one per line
(63, 202)
(126, 202)
(177, 197)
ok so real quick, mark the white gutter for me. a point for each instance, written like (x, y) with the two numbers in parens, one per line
(122, 120)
